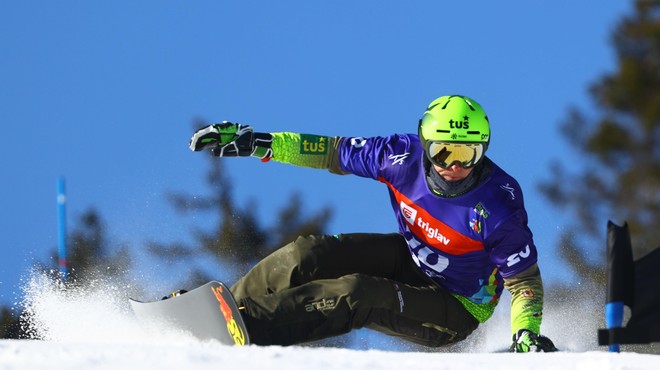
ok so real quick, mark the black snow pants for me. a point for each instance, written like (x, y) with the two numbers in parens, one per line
(323, 286)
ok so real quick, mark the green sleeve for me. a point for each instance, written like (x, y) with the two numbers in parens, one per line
(312, 151)
(526, 290)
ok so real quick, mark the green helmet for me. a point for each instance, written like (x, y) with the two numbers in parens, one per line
(454, 119)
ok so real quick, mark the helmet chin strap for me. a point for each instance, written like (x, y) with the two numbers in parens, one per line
(449, 189)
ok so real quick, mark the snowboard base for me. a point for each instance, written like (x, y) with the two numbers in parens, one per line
(206, 312)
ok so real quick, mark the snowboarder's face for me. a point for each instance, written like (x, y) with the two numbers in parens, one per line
(454, 172)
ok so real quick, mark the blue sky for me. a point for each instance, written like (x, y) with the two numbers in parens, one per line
(104, 94)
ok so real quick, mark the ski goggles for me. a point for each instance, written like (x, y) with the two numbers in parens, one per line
(444, 154)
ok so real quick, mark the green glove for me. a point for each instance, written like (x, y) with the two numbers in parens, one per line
(228, 139)
(527, 341)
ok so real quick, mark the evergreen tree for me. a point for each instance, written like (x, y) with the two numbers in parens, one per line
(621, 148)
(9, 324)
(90, 256)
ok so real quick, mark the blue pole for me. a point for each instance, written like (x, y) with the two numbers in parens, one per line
(614, 319)
(61, 223)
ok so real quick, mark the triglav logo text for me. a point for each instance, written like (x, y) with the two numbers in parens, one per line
(410, 215)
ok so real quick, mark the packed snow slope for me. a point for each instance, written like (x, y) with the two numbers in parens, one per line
(93, 328)
(33, 355)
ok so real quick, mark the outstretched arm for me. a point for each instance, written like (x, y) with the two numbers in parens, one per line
(228, 139)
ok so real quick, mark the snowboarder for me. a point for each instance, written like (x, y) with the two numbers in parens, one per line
(463, 237)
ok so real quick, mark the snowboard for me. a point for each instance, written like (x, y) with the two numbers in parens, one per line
(207, 312)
